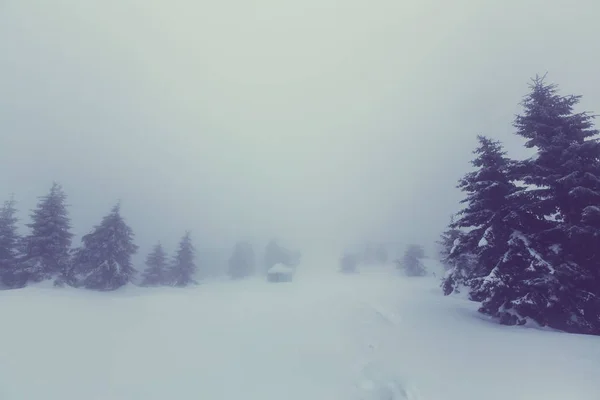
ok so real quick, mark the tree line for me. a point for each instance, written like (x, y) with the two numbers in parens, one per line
(526, 245)
(103, 261)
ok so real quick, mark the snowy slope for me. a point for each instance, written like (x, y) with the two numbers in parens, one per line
(374, 335)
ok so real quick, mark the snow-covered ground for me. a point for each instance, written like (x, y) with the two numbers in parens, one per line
(373, 335)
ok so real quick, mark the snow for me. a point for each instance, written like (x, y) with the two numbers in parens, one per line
(454, 245)
(374, 335)
(281, 269)
(533, 253)
(483, 241)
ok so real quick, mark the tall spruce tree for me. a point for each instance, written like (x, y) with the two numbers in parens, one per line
(104, 260)
(183, 267)
(9, 240)
(156, 271)
(484, 219)
(46, 250)
(551, 271)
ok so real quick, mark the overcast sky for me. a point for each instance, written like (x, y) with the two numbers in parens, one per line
(317, 121)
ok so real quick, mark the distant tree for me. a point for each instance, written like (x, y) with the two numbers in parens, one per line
(274, 254)
(46, 249)
(183, 267)
(411, 262)
(104, 260)
(156, 271)
(381, 254)
(242, 261)
(349, 263)
(370, 254)
(9, 240)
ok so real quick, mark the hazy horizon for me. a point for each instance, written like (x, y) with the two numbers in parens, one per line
(319, 122)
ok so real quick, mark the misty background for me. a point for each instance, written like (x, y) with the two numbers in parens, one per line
(319, 122)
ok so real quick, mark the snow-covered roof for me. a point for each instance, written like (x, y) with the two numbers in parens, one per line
(281, 269)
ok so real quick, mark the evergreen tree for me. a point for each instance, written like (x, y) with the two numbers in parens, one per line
(104, 260)
(446, 243)
(9, 240)
(242, 261)
(46, 249)
(183, 268)
(156, 273)
(551, 270)
(480, 247)
(349, 263)
(411, 262)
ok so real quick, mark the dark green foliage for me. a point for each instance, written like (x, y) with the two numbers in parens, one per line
(104, 260)
(533, 251)
(552, 269)
(475, 251)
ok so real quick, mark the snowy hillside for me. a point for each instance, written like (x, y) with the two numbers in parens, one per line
(374, 335)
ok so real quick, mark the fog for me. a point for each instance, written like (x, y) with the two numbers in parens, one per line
(319, 122)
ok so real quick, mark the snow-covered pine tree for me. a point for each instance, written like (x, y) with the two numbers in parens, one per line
(46, 250)
(242, 261)
(156, 271)
(485, 234)
(411, 262)
(104, 260)
(551, 272)
(446, 243)
(183, 267)
(9, 240)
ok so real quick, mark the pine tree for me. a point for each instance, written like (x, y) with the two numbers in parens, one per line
(156, 273)
(242, 261)
(411, 262)
(485, 240)
(446, 243)
(9, 240)
(46, 249)
(104, 260)
(183, 268)
(551, 271)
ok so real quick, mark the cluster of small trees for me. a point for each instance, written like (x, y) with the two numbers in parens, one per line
(179, 272)
(102, 262)
(527, 244)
